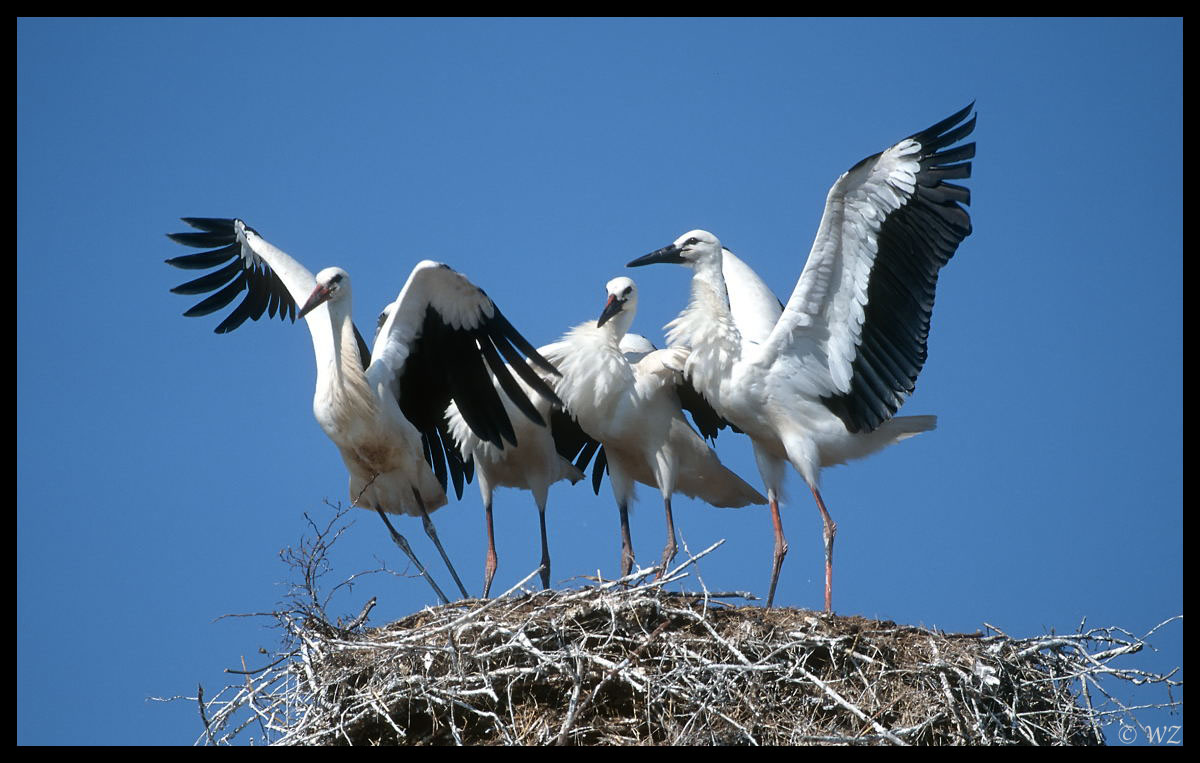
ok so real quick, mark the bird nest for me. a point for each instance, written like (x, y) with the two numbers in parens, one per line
(626, 662)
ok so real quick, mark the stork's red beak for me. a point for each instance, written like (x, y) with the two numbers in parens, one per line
(611, 308)
(319, 295)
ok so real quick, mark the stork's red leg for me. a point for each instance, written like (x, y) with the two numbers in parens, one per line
(545, 550)
(670, 550)
(431, 531)
(626, 543)
(781, 546)
(489, 565)
(830, 531)
(402, 542)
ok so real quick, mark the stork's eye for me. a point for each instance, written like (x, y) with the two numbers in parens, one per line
(691, 241)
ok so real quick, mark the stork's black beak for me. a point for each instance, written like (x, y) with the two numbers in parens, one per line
(668, 254)
(319, 295)
(611, 308)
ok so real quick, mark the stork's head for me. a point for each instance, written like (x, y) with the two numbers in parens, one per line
(333, 286)
(691, 248)
(622, 301)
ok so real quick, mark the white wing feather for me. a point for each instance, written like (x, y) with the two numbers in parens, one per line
(823, 318)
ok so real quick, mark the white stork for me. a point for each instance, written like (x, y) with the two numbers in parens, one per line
(545, 455)
(633, 410)
(818, 382)
(442, 339)
(541, 457)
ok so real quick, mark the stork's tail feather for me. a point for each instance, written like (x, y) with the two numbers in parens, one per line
(903, 427)
(888, 433)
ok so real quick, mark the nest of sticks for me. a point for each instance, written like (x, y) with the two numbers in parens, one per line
(626, 662)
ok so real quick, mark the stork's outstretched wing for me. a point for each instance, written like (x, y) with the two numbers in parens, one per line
(857, 322)
(443, 339)
(274, 282)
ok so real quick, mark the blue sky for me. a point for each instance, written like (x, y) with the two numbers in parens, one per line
(161, 468)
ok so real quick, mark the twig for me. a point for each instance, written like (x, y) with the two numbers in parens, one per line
(587, 702)
(362, 616)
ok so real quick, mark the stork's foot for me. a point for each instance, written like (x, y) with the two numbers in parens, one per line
(667, 557)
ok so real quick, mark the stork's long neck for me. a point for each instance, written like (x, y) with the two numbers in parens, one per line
(342, 387)
(706, 326)
(619, 326)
